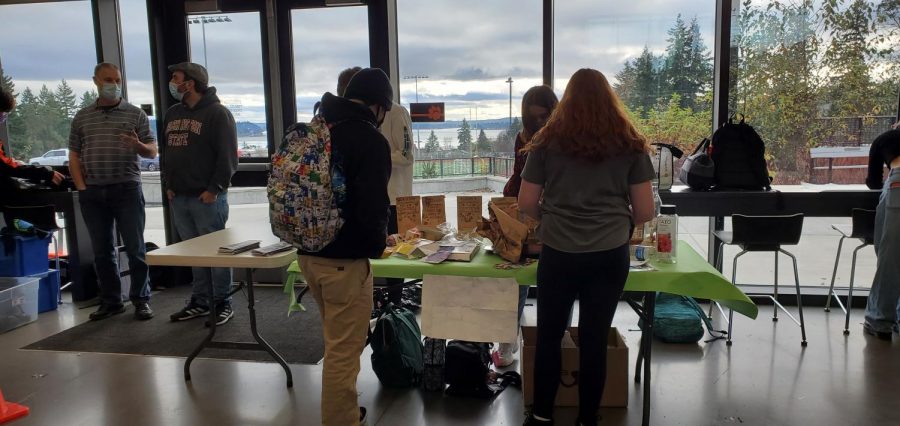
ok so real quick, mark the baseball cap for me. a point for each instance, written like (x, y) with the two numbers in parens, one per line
(372, 86)
(192, 71)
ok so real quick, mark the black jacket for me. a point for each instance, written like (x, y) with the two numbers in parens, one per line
(361, 154)
(8, 171)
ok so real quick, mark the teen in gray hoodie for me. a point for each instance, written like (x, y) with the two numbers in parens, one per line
(198, 159)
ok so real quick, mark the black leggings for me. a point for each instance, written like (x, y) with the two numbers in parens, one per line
(597, 280)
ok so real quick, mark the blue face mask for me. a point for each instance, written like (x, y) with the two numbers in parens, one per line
(173, 90)
(110, 91)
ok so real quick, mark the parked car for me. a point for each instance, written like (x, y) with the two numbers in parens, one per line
(56, 157)
(150, 164)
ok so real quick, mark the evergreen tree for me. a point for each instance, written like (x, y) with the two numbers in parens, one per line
(6, 82)
(483, 144)
(464, 137)
(639, 82)
(432, 145)
(66, 99)
(88, 98)
(688, 66)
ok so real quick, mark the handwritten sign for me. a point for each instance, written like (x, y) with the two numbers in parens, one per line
(468, 213)
(409, 214)
(433, 210)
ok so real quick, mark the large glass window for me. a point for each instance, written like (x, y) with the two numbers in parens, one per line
(230, 47)
(463, 53)
(47, 55)
(818, 80)
(320, 55)
(658, 57)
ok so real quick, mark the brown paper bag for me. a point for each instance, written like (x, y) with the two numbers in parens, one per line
(409, 213)
(468, 213)
(434, 212)
(509, 205)
(506, 233)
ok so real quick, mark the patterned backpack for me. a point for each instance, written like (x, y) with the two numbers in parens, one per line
(306, 188)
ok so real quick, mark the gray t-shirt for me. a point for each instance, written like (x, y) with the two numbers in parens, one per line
(585, 205)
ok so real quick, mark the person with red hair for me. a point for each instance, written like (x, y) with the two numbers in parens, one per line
(587, 179)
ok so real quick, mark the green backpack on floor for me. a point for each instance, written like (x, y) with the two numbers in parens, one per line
(397, 351)
(679, 319)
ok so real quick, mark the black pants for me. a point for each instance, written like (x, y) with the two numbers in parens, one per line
(597, 280)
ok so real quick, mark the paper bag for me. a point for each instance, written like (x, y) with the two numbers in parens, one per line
(408, 213)
(506, 233)
(470, 308)
(509, 205)
(468, 213)
(433, 210)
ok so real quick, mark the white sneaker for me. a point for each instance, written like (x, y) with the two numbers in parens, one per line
(504, 355)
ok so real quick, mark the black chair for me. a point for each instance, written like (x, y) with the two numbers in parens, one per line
(863, 229)
(761, 234)
(44, 220)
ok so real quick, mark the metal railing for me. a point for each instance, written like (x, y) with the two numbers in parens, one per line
(467, 166)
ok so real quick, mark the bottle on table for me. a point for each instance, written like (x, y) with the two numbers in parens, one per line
(667, 234)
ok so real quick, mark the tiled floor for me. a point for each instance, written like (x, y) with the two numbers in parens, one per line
(766, 378)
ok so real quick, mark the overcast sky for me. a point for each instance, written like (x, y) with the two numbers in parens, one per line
(467, 48)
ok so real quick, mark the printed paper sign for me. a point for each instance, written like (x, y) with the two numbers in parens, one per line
(468, 213)
(409, 214)
(470, 308)
(433, 210)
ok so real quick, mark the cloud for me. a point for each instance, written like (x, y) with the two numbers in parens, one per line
(467, 47)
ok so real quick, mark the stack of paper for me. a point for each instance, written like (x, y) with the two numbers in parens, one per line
(272, 249)
(239, 247)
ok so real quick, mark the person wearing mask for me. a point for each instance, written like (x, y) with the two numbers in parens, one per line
(340, 275)
(587, 179)
(883, 305)
(537, 104)
(9, 167)
(199, 158)
(105, 141)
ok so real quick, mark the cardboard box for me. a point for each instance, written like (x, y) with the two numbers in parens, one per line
(615, 394)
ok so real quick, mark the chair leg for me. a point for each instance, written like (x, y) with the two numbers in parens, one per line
(837, 259)
(775, 309)
(731, 311)
(799, 298)
(850, 291)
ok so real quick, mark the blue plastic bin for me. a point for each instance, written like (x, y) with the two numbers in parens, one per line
(48, 290)
(23, 255)
(18, 302)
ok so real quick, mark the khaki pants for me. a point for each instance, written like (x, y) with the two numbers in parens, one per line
(343, 290)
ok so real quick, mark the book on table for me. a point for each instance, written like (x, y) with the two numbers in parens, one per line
(239, 247)
(271, 249)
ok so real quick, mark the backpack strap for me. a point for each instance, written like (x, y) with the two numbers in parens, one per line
(716, 334)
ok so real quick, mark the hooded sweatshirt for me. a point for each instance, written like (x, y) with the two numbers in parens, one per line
(362, 155)
(200, 150)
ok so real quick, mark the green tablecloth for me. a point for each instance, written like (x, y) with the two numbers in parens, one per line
(691, 276)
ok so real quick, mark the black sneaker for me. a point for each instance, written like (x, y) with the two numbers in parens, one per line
(531, 421)
(191, 310)
(881, 335)
(223, 313)
(142, 311)
(105, 311)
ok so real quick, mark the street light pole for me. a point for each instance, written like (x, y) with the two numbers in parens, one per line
(203, 20)
(510, 81)
(416, 79)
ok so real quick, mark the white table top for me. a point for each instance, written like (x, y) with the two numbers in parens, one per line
(203, 250)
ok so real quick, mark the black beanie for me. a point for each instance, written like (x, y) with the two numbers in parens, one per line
(372, 86)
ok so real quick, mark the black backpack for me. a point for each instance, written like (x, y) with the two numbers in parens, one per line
(698, 170)
(467, 370)
(739, 154)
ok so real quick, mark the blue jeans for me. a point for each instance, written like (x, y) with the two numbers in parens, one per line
(883, 306)
(107, 208)
(193, 218)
